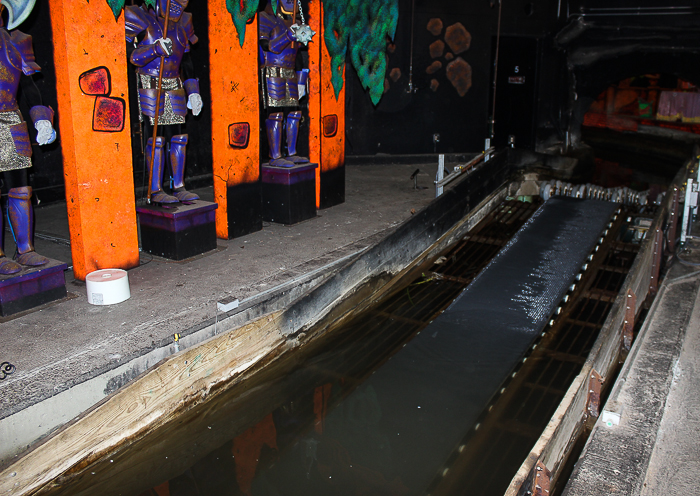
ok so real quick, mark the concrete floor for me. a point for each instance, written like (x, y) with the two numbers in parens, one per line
(655, 447)
(69, 355)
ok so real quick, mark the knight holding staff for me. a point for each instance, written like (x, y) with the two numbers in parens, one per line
(166, 89)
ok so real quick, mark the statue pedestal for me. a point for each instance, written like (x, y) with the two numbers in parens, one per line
(289, 193)
(180, 232)
(32, 287)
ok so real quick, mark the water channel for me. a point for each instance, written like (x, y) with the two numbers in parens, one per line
(393, 402)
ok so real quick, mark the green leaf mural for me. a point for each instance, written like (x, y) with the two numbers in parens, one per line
(118, 5)
(241, 12)
(362, 25)
(362, 28)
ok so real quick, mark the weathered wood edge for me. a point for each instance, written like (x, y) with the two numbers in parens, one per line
(176, 385)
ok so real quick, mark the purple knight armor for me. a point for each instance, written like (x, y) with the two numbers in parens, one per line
(17, 60)
(145, 28)
(278, 50)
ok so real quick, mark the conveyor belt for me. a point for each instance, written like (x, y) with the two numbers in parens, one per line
(395, 432)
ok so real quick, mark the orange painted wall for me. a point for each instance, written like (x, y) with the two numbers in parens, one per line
(97, 166)
(234, 98)
(328, 152)
(315, 21)
(332, 148)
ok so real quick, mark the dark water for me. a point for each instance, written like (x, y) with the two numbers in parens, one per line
(374, 414)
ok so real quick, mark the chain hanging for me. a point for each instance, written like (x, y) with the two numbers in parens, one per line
(301, 12)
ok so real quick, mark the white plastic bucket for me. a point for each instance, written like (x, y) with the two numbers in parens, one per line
(107, 286)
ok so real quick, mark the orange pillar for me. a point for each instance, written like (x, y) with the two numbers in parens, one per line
(327, 118)
(235, 125)
(96, 165)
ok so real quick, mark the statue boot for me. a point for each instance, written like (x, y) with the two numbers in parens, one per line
(21, 214)
(178, 147)
(157, 193)
(293, 120)
(7, 266)
(274, 140)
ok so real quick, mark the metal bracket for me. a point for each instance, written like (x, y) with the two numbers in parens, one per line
(673, 222)
(537, 482)
(656, 262)
(628, 326)
(595, 383)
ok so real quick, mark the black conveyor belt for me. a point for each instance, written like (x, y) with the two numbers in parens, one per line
(396, 431)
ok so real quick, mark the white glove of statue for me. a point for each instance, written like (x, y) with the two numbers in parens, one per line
(194, 102)
(302, 90)
(164, 47)
(45, 132)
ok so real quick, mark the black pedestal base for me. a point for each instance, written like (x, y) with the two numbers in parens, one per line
(180, 232)
(244, 209)
(32, 287)
(289, 194)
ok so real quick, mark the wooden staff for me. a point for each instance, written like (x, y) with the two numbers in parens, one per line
(158, 93)
(294, 18)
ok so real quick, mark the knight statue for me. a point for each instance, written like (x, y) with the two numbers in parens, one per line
(180, 89)
(279, 37)
(17, 64)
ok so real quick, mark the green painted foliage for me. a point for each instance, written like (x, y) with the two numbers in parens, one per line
(118, 5)
(360, 27)
(241, 12)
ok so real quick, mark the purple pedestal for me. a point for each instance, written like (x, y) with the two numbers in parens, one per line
(289, 194)
(32, 287)
(180, 232)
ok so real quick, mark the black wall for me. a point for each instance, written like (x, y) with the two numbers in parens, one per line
(405, 122)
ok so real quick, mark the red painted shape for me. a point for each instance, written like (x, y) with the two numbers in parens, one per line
(96, 82)
(246, 451)
(321, 396)
(330, 125)
(238, 134)
(108, 115)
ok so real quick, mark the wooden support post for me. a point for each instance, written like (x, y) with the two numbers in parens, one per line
(327, 118)
(235, 124)
(97, 165)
